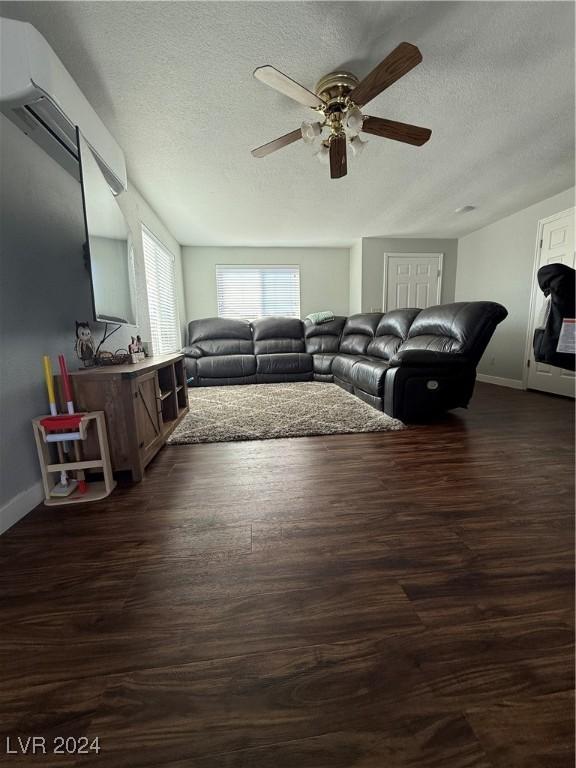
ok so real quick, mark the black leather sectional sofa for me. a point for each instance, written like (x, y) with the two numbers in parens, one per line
(413, 364)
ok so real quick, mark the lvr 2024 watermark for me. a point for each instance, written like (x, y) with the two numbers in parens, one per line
(58, 745)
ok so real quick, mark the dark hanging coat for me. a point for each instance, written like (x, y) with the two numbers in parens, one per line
(558, 282)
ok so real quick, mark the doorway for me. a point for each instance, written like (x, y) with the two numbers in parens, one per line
(554, 245)
(411, 280)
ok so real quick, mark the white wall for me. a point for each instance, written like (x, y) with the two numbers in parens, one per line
(110, 264)
(373, 250)
(355, 304)
(44, 288)
(324, 276)
(138, 212)
(496, 263)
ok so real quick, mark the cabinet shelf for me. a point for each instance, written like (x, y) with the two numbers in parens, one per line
(96, 490)
(70, 465)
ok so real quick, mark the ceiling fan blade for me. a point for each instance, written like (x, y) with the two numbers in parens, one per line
(338, 167)
(281, 141)
(390, 129)
(402, 59)
(281, 82)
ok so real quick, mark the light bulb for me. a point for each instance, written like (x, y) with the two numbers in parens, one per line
(310, 131)
(323, 154)
(354, 120)
(357, 146)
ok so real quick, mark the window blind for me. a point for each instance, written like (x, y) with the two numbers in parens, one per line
(249, 292)
(161, 291)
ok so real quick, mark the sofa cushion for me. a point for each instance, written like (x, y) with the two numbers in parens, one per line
(369, 375)
(230, 381)
(391, 331)
(284, 363)
(220, 336)
(342, 365)
(358, 332)
(223, 347)
(226, 366)
(278, 346)
(192, 352)
(373, 400)
(323, 363)
(324, 337)
(344, 384)
(278, 334)
(463, 327)
(280, 378)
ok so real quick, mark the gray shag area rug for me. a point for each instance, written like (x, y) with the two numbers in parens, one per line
(269, 411)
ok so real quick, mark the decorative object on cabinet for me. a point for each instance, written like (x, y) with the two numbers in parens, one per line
(84, 343)
(136, 351)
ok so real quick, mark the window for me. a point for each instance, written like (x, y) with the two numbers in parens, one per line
(161, 290)
(245, 293)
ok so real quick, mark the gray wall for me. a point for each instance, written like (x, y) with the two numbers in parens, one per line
(496, 263)
(44, 288)
(373, 250)
(324, 275)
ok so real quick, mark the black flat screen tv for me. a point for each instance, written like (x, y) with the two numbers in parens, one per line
(109, 244)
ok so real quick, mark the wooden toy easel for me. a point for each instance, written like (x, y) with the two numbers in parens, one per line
(51, 469)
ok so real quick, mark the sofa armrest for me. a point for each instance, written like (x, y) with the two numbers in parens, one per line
(427, 358)
(194, 352)
(419, 392)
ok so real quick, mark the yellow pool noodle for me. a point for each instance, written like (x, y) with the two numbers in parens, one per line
(49, 381)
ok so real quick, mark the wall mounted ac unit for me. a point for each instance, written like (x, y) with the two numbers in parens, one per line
(38, 94)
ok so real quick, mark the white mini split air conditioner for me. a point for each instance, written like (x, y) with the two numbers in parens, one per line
(38, 94)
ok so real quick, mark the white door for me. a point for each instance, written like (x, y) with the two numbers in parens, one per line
(412, 280)
(556, 245)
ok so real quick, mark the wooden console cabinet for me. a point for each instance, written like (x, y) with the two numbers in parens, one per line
(143, 403)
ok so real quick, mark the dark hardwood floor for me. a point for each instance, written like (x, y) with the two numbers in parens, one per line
(392, 600)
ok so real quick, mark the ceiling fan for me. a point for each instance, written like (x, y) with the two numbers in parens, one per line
(338, 99)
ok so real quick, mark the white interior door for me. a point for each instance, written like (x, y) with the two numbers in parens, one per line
(412, 280)
(556, 245)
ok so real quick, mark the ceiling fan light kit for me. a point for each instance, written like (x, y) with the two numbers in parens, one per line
(323, 154)
(338, 99)
(357, 145)
(310, 131)
(354, 120)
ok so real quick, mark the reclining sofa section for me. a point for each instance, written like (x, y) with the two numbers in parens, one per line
(412, 364)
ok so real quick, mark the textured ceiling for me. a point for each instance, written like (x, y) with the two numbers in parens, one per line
(173, 82)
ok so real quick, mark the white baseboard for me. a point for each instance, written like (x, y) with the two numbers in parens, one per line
(500, 381)
(20, 505)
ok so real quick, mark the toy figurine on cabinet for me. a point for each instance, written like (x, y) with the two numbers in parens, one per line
(84, 343)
